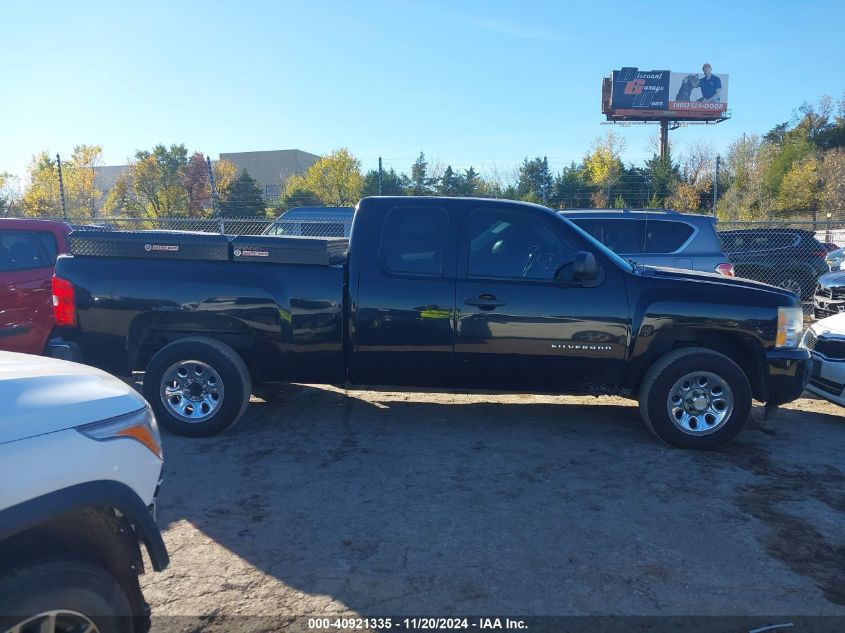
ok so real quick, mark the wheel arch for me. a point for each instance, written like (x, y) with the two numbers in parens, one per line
(740, 348)
(97, 518)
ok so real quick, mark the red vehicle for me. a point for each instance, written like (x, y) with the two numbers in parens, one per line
(28, 251)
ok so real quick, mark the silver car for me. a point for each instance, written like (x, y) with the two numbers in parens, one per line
(657, 237)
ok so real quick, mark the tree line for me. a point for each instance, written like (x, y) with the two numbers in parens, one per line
(794, 171)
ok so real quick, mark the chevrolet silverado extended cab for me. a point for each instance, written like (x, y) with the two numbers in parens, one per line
(433, 293)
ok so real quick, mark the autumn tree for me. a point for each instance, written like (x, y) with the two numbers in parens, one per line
(603, 166)
(41, 197)
(198, 187)
(157, 180)
(9, 193)
(335, 179)
(800, 191)
(832, 173)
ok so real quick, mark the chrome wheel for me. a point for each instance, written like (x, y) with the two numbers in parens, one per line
(59, 621)
(700, 403)
(191, 390)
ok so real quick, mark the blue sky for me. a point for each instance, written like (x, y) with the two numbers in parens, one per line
(483, 83)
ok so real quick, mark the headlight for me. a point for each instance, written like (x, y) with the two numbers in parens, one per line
(139, 426)
(790, 325)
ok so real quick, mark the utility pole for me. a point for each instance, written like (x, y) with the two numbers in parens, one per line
(379, 175)
(93, 186)
(61, 187)
(664, 139)
(716, 185)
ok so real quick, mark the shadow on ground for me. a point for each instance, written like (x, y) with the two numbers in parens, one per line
(407, 503)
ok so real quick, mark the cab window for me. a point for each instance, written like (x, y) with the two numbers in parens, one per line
(514, 244)
(413, 240)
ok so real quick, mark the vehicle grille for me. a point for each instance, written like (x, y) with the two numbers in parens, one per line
(830, 293)
(830, 348)
(809, 341)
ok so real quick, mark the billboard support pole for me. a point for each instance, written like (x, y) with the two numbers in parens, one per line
(664, 139)
(716, 185)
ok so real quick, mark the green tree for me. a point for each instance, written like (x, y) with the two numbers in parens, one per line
(535, 180)
(570, 189)
(244, 197)
(392, 184)
(470, 183)
(664, 176)
(335, 179)
(421, 182)
(293, 198)
(450, 183)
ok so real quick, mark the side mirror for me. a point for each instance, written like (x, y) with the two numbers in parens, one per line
(584, 267)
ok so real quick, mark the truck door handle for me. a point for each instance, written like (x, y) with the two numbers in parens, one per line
(484, 301)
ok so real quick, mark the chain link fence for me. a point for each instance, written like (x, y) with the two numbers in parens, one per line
(791, 255)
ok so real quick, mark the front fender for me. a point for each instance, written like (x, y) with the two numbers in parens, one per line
(94, 494)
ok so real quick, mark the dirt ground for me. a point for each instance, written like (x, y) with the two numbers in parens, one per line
(371, 503)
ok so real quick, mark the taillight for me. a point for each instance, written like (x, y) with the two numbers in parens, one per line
(64, 312)
(726, 269)
(819, 254)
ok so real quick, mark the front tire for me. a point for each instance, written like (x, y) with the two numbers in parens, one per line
(197, 386)
(695, 398)
(78, 595)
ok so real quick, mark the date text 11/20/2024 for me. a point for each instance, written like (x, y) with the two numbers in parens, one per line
(435, 624)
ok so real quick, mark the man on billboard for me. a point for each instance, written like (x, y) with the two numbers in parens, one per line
(710, 85)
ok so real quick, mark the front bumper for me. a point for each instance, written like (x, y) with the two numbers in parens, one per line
(788, 371)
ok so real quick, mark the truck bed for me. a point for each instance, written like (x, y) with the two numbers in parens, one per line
(140, 290)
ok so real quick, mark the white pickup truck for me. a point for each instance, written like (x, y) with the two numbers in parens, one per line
(80, 466)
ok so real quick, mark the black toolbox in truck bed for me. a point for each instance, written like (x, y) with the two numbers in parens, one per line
(150, 245)
(318, 251)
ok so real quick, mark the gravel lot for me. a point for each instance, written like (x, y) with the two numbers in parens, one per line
(374, 503)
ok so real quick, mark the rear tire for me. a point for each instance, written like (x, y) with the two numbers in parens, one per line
(220, 401)
(81, 593)
(686, 414)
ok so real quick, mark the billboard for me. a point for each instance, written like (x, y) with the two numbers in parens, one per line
(663, 94)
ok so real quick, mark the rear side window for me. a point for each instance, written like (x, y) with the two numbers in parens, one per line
(48, 246)
(621, 236)
(662, 236)
(413, 240)
(19, 251)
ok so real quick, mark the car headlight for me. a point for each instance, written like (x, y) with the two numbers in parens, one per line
(139, 426)
(790, 326)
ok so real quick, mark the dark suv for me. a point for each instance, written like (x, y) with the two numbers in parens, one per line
(792, 259)
(657, 237)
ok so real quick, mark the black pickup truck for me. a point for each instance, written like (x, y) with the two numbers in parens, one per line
(433, 293)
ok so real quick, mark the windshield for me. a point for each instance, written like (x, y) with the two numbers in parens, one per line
(624, 265)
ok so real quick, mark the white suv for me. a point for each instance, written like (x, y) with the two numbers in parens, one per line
(80, 466)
